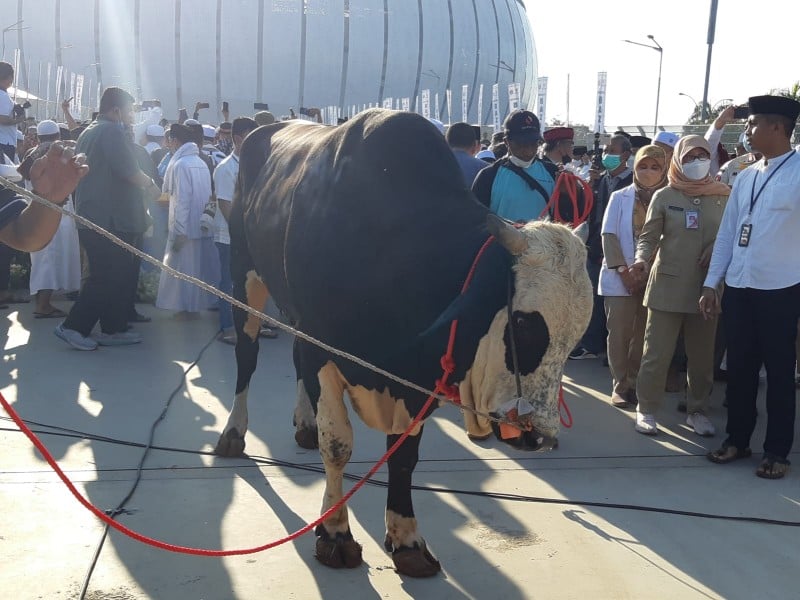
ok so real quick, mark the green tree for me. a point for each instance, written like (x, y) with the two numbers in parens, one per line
(793, 91)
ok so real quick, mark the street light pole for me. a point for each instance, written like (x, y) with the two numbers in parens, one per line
(657, 47)
(712, 26)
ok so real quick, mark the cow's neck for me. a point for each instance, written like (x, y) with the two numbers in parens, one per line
(475, 310)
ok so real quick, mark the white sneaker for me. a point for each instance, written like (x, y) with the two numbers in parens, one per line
(123, 338)
(74, 338)
(646, 424)
(701, 424)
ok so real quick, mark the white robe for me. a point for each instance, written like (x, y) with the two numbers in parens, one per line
(57, 266)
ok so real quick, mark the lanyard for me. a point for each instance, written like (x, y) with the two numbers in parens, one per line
(753, 196)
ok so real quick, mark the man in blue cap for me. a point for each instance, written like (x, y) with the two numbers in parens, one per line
(757, 255)
(517, 186)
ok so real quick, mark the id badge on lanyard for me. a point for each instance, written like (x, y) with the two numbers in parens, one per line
(747, 228)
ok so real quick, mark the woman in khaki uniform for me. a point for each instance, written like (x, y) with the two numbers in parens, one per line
(681, 224)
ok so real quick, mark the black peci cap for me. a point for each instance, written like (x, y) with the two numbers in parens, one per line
(640, 141)
(522, 126)
(774, 105)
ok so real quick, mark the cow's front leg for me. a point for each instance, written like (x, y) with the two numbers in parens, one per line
(304, 419)
(408, 548)
(252, 290)
(335, 544)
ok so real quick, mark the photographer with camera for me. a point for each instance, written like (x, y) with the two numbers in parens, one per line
(10, 114)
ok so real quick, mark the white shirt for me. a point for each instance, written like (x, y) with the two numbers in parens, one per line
(8, 133)
(224, 183)
(771, 260)
(152, 147)
(618, 219)
(714, 136)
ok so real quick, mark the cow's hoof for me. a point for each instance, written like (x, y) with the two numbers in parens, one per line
(341, 552)
(230, 444)
(307, 438)
(416, 561)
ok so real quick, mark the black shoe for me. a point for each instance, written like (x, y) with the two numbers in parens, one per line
(581, 353)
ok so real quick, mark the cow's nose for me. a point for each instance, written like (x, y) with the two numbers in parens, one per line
(531, 441)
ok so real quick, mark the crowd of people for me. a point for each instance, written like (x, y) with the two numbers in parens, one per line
(678, 232)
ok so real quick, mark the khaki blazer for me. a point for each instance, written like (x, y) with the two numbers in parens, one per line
(680, 228)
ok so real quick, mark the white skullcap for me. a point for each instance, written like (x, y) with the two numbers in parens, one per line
(155, 131)
(209, 131)
(667, 137)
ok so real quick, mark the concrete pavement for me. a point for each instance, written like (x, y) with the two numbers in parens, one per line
(489, 548)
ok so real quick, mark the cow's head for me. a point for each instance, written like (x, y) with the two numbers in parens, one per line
(550, 307)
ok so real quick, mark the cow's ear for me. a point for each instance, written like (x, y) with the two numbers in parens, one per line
(582, 231)
(511, 238)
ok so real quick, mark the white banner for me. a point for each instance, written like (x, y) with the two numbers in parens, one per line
(47, 103)
(426, 104)
(465, 103)
(99, 91)
(541, 102)
(480, 104)
(600, 112)
(79, 94)
(436, 108)
(71, 86)
(59, 80)
(388, 103)
(449, 96)
(513, 96)
(407, 104)
(397, 103)
(496, 106)
(16, 68)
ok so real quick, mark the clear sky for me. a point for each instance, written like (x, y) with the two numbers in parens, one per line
(756, 49)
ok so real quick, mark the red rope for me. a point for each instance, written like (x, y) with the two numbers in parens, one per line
(563, 404)
(447, 361)
(567, 183)
(201, 551)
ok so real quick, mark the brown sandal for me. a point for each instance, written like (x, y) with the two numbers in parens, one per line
(728, 453)
(772, 467)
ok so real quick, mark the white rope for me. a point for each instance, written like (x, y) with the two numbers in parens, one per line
(245, 307)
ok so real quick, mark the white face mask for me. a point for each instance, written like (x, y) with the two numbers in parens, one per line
(519, 162)
(697, 169)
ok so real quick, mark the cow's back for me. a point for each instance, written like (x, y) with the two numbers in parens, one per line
(362, 232)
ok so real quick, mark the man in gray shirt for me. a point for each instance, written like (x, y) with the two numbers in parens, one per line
(110, 196)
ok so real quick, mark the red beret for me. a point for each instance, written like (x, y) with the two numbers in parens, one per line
(556, 134)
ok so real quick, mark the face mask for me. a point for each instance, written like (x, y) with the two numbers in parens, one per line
(629, 164)
(611, 161)
(519, 162)
(746, 144)
(697, 169)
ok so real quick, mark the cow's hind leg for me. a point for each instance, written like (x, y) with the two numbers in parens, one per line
(335, 544)
(253, 291)
(409, 551)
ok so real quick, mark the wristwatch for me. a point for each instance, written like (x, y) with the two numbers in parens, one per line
(622, 269)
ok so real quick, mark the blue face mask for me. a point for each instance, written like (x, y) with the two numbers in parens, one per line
(611, 161)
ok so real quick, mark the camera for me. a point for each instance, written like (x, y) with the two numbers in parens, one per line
(260, 106)
(741, 112)
(202, 105)
(225, 106)
(19, 109)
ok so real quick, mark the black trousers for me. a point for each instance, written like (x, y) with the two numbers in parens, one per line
(761, 327)
(106, 294)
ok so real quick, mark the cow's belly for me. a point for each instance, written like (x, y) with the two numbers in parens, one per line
(379, 410)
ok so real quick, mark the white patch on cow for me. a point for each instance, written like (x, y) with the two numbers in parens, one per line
(304, 417)
(257, 296)
(402, 530)
(551, 279)
(237, 419)
(335, 443)
(381, 411)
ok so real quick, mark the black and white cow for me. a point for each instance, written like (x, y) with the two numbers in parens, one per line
(363, 235)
